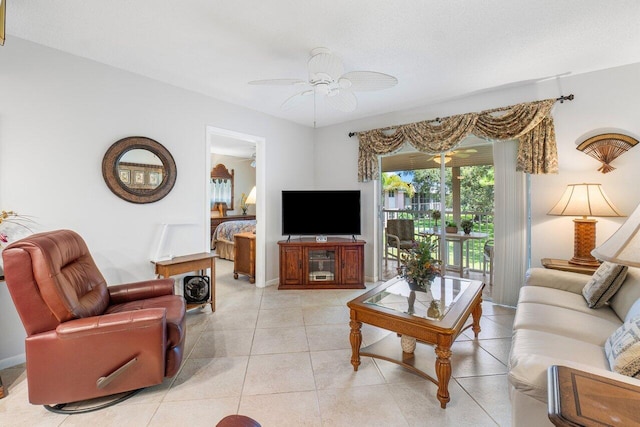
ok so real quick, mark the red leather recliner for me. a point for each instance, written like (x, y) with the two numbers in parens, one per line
(86, 339)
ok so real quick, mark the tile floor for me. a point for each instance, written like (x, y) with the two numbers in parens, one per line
(283, 358)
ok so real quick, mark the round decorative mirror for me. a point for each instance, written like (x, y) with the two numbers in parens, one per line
(139, 169)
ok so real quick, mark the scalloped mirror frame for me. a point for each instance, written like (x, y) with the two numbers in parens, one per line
(138, 195)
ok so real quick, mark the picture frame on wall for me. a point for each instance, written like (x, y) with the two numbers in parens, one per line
(138, 177)
(125, 175)
(154, 178)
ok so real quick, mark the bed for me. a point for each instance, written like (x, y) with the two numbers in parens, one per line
(222, 239)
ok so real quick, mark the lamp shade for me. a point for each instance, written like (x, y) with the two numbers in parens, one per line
(623, 247)
(584, 200)
(251, 198)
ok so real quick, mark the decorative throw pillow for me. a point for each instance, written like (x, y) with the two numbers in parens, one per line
(604, 283)
(623, 349)
(633, 311)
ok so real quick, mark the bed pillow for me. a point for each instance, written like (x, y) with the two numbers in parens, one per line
(604, 283)
(623, 349)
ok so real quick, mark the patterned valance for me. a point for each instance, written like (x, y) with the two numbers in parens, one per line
(531, 123)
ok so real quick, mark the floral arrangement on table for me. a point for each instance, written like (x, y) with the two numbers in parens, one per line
(243, 203)
(419, 266)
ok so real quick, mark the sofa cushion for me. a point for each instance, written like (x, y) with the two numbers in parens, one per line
(558, 298)
(593, 327)
(556, 279)
(532, 352)
(629, 293)
(623, 349)
(604, 283)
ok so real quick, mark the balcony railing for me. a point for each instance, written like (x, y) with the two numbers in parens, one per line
(424, 223)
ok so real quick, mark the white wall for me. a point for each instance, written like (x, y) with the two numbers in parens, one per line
(604, 99)
(58, 116)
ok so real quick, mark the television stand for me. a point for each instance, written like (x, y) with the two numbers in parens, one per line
(337, 263)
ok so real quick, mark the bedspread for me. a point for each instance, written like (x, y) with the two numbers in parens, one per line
(222, 240)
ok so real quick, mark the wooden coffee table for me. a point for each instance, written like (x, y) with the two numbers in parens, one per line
(397, 307)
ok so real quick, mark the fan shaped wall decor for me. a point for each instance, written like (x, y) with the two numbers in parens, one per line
(607, 147)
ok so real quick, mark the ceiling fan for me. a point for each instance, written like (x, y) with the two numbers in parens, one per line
(462, 154)
(327, 78)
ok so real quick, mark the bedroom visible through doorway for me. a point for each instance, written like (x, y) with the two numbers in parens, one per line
(233, 197)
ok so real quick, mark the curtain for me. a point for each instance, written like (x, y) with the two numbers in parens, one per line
(531, 123)
(510, 225)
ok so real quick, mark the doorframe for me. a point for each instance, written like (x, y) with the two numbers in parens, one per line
(261, 207)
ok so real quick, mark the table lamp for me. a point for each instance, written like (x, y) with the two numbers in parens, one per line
(584, 200)
(623, 247)
(251, 198)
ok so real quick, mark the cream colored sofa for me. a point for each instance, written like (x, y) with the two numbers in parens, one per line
(554, 326)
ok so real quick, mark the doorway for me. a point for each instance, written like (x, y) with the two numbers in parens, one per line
(231, 143)
(458, 187)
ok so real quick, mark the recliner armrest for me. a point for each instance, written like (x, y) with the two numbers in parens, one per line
(140, 290)
(112, 323)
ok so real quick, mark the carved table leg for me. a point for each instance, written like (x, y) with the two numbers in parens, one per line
(443, 372)
(476, 314)
(355, 337)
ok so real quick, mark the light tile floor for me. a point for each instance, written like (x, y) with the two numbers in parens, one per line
(283, 358)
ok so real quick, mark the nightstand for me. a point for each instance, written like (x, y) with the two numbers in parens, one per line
(578, 398)
(564, 265)
(244, 260)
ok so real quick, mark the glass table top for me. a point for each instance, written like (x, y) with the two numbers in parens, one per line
(433, 303)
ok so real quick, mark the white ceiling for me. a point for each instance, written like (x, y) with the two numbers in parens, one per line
(438, 50)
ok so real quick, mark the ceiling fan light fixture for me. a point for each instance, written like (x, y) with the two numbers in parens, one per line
(436, 159)
(323, 88)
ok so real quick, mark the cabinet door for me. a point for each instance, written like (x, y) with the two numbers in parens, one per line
(351, 265)
(321, 265)
(291, 265)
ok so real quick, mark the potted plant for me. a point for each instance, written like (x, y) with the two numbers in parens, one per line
(243, 203)
(452, 226)
(418, 265)
(467, 226)
(435, 215)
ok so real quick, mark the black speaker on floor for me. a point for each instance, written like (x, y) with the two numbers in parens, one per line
(197, 289)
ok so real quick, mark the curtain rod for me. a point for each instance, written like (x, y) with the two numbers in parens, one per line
(439, 119)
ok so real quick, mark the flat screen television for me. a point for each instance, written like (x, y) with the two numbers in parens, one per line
(321, 213)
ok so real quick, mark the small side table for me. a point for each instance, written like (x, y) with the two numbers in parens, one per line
(185, 264)
(578, 398)
(244, 259)
(564, 265)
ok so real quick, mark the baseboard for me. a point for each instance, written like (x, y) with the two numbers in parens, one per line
(13, 361)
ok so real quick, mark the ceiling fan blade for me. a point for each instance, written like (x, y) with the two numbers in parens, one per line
(369, 80)
(278, 82)
(343, 100)
(294, 100)
(323, 64)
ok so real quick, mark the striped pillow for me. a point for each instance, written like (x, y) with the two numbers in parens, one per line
(604, 283)
(623, 349)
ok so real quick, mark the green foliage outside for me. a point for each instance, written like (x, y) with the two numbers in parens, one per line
(476, 195)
